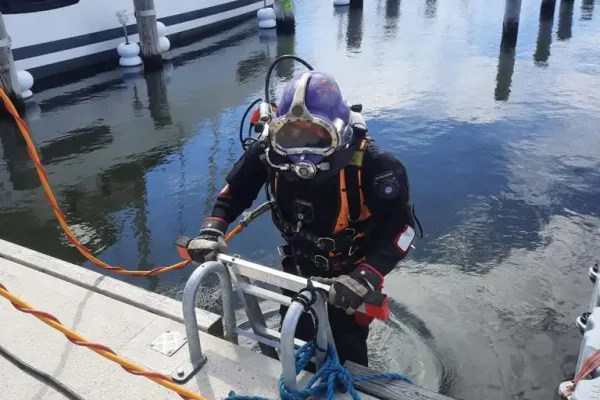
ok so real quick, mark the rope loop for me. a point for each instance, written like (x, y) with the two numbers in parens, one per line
(308, 308)
(331, 377)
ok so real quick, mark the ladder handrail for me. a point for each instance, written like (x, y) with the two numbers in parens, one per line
(232, 270)
(197, 358)
(288, 331)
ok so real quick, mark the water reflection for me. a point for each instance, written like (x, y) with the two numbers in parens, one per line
(211, 187)
(21, 171)
(86, 92)
(506, 67)
(286, 44)
(77, 142)
(251, 67)
(565, 20)
(136, 103)
(340, 12)
(430, 8)
(140, 200)
(32, 112)
(587, 10)
(354, 30)
(204, 51)
(544, 39)
(158, 100)
(356, 4)
(392, 13)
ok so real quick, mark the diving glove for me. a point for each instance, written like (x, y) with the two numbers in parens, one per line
(348, 291)
(210, 241)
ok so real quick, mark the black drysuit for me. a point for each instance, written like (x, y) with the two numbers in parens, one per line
(317, 204)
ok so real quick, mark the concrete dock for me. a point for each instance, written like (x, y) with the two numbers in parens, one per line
(87, 304)
(143, 327)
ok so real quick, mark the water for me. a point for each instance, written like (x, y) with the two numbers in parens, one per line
(502, 150)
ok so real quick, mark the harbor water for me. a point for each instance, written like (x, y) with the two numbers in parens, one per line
(502, 149)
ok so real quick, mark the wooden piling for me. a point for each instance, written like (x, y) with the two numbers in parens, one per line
(587, 10)
(547, 9)
(565, 20)
(356, 3)
(506, 68)
(510, 27)
(8, 71)
(544, 40)
(284, 14)
(145, 15)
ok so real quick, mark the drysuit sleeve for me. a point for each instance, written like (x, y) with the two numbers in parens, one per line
(387, 194)
(243, 183)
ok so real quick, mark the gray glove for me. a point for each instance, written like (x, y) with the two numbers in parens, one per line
(210, 241)
(348, 291)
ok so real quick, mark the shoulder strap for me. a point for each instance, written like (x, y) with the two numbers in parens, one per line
(357, 209)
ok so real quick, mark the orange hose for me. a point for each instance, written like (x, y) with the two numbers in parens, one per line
(57, 211)
(104, 351)
(234, 232)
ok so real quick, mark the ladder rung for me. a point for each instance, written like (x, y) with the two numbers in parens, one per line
(247, 269)
(266, 274)
(273, 340)
(277, 336)
(269, 342)
(265, 294)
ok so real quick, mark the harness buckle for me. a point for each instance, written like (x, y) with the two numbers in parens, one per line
(298, 227)
(353, 234)
(352, 250)
(282, 250)
(322, 246)
(321, 262)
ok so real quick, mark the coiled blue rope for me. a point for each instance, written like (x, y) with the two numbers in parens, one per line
(325, 381)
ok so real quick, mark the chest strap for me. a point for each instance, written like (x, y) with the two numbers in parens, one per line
(352, 224)
(353, 208)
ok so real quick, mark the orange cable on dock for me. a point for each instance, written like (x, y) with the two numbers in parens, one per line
(104, 351)
(33, 154)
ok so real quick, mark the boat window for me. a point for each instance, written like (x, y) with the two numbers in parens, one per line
(30, 6)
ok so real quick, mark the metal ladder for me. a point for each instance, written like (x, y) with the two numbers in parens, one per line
(236, 272)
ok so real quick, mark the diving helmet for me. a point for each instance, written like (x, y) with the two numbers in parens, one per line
(311, 125)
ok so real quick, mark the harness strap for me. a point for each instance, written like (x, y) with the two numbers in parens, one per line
(342, 219)
(353, 208)
(351, 225)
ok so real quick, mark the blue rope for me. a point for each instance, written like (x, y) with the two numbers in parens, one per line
(328, 378)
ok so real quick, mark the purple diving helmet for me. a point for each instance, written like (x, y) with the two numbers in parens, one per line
(311, 131)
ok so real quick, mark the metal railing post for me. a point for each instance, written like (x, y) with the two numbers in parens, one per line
(197, 358)
(288, 331)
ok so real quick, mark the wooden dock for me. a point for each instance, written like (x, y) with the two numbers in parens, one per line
(391, 390)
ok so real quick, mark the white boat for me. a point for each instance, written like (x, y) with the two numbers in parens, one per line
(53, 36)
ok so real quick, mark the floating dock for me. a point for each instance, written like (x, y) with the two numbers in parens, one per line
(123, 317)
(143, 327)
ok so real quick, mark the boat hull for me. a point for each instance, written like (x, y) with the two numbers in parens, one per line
(60, 40)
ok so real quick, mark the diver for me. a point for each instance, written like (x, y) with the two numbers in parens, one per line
(341, 203)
